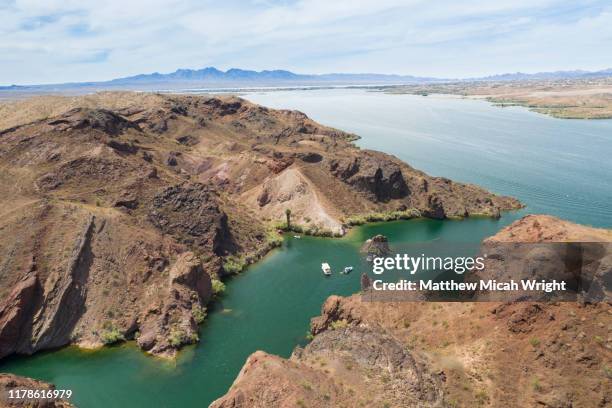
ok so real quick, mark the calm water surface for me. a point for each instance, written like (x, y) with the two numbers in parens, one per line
(555, 166)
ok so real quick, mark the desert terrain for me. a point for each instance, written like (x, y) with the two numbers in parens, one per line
(560, 98)
(122, 212)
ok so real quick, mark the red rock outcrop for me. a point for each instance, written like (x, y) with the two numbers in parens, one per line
(10, 382)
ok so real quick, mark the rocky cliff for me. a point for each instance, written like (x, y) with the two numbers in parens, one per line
(117, 210)
(460, 354)
(345, 366)
(10, 382)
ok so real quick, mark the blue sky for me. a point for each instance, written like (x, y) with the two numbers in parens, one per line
(48, 41)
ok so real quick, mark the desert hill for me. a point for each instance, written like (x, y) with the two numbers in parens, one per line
(119, 210)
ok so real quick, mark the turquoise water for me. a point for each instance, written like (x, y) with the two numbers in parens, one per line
(269, 306)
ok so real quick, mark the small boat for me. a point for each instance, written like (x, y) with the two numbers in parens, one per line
(297, 237)
(347, 270)
(326, 268)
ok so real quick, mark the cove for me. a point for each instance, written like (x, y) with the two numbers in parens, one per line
(268, 307)
(559, 167)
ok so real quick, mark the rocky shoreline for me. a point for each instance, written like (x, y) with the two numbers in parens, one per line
(559, 98)
(434, 354)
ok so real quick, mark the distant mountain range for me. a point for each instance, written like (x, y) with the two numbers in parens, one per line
(213, 78)
(576, 74)
(235, 75)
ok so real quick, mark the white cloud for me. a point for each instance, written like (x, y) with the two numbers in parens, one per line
(69, 40)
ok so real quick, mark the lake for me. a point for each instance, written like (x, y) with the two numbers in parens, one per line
(560, 167)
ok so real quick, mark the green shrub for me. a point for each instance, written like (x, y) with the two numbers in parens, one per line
(273, 239)
(179, 337)
(534, 342)
(218, 287)
(233, 265)
(360, 219)
(198, 312)
(481, 397)
(110, 334)
(536, 385)
(339, 324)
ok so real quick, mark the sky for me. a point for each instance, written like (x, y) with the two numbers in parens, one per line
(55, 41)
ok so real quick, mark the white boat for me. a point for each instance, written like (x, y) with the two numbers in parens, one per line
(297, 237)
(326, 268)
(347, 270)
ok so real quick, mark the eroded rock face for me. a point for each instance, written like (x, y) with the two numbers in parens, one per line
(382, 179)
(404, 379)
(347, 363)
(16, 314)
(351, 366)
(172, 320)
(63, 305)
(191, 213)
(99, 119)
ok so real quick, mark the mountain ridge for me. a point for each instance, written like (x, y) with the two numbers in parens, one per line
(237, 77)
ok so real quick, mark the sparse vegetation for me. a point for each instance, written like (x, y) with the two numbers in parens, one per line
(218, 287)
(178, 337)
(273, 239)
(233, 265)
(110, 334)
(383, 216)
(314, 230)
(534, 342)
(481, 397)
(339, 324)
(198, 312)
(536, 385)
